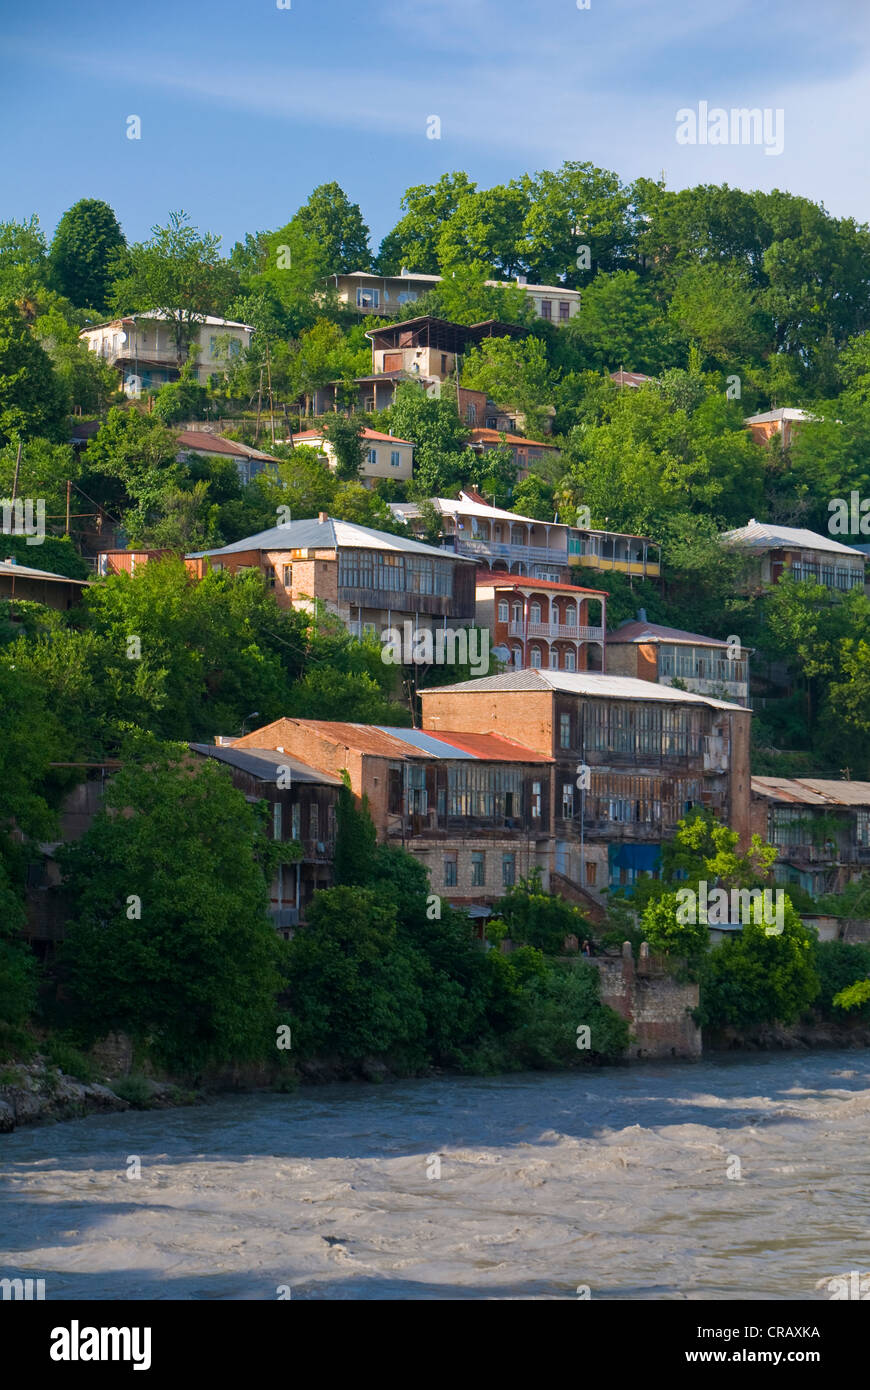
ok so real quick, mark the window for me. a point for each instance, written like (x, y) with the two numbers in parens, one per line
(546, 308)
(518, 614)
(568, 800)
(288, 576)
(536, 658)
(368, 299)
(535, 613)
(276, 821)
(407, 296)
(518, 657)
(373, 455)
(313, 821)
(554, 659)
(508, 870)
(235, 347)
(570, 661)
(212, 347)
(503, 610)
(450, 875)
(269, 571)
(564, 731)
(536, 801)
(564, 310)
(591, 874)
(444, 364)
(471, 412)
(295, 822)
(395, 458)
(478, 870)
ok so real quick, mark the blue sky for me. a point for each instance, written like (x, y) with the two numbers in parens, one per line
(245, 108)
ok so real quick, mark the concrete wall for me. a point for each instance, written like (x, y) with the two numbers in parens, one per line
(655, 1006)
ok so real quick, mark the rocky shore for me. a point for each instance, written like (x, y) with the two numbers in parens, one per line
(37, 1092)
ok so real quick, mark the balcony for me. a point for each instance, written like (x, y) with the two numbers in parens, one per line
(557, 630)
(497, 550)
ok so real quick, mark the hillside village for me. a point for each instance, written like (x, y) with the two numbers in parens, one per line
(515, 572)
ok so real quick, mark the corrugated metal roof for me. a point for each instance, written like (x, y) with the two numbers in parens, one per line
(25, 572)
(264, 763)
(583, 683)
(390, 741)
(216, 444)
(768, 417)
(312, 534)
(757, 535)
(636, 631)
(813, 791)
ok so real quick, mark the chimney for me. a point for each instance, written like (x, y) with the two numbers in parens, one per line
(641, 615)
(10, 559)
(522, 279)
(323, 517)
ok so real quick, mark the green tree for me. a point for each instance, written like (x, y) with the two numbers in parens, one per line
(355, 838)
(170, 938)
(32, 400)
(487, 225)
(180, 273)
(757, 978)
(85, 245)
(346, 437)
(23, 260)
(574, 206)
(413, 242)
(335, 225)
(515, 372)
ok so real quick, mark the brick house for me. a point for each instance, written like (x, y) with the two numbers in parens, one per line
(301, 808)
(473, 808)
(820, 827)
(665, 654)
(369, 579)
(650, 754)
(543, 624)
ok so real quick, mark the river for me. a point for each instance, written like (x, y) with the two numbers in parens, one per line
(740, 1177)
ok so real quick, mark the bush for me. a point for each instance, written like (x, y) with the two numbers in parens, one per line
(135, 1090)
(838, 966)
(755, 978)
(71, 1061)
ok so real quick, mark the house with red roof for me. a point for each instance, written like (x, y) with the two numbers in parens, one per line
(386, 456)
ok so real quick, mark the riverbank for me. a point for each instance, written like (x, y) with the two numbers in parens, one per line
(38, 1092)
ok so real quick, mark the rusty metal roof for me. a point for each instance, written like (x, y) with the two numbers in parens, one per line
(812, 791)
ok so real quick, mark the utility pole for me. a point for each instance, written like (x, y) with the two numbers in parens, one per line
(15, 477)
(259, 405)
(271, 402)
(68, 491)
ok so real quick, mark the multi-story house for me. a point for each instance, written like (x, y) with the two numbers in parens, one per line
(301, 808)
(473, 808)
(499, 539)
(599, 550)
(386, 295)
(428, 348)
(820, 827)
(777, 550)
(542, 624)
(143, 347)
(670, 656)
(631, 759)
(386, 456)
(369, 579)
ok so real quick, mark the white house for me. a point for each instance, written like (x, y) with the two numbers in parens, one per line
(142, 346)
